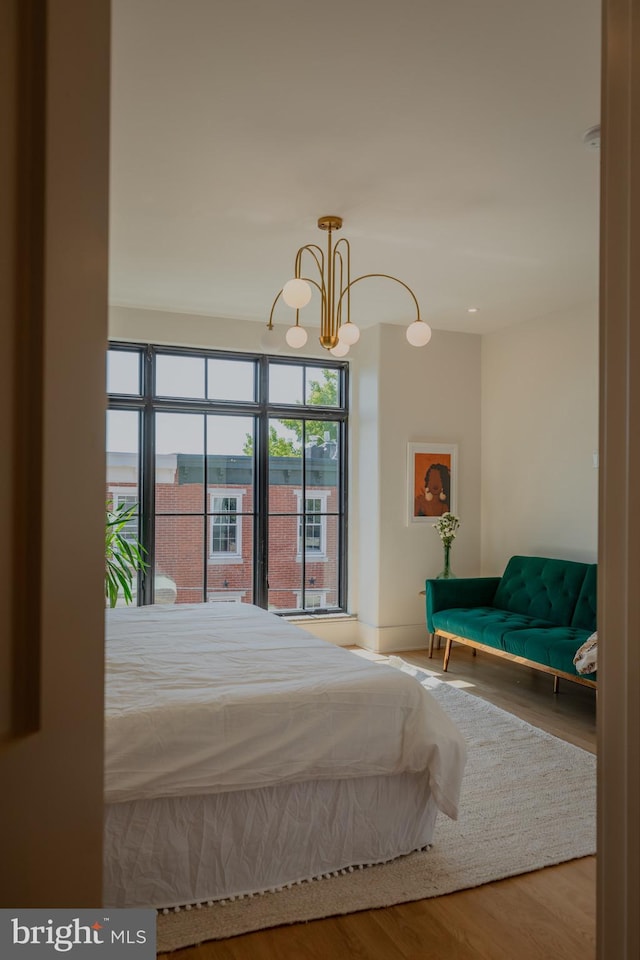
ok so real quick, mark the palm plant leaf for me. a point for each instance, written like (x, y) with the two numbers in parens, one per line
(124, 556)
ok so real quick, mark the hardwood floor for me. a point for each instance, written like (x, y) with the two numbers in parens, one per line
(570, 715)
(547, 913)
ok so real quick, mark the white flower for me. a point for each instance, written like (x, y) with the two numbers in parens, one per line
(447, 525)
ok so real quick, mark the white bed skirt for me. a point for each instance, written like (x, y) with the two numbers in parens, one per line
(174, 851)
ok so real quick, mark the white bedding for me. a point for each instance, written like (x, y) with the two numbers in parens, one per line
(213, 698)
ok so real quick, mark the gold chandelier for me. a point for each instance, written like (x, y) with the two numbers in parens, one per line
(337, 331)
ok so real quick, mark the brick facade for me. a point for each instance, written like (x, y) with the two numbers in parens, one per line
(185, 549)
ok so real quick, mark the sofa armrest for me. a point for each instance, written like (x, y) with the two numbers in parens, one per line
(458, 592)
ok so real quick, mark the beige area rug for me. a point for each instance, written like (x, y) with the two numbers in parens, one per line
(528, 801)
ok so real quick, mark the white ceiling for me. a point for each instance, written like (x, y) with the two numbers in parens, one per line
(446, 133)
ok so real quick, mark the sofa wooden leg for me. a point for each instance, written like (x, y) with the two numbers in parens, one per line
(434, 640)
(447, 654)
(556, 684)
(473, 651)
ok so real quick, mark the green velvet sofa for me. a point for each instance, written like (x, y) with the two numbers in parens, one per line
(539, 612)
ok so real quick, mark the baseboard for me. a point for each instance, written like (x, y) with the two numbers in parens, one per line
(343, 631)
(393, 639)
(349, 632)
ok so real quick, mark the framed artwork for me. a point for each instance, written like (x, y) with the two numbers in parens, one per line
(432, 478)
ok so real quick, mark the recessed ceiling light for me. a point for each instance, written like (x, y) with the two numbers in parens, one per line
(472, 309)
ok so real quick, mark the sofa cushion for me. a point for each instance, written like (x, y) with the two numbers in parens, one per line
(584, 615)
(552, 646)
(458, 592)
(540, 587)
(485, 624)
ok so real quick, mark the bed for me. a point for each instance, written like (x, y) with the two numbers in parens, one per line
(244, 754)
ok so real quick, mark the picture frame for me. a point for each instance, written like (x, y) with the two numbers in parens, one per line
(438, 462)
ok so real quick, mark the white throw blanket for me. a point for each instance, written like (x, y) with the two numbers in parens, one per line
(205, 698)
(586, 658)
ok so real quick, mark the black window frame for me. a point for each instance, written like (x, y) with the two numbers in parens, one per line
(147, 404)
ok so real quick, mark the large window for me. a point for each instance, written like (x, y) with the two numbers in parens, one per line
(237, 463)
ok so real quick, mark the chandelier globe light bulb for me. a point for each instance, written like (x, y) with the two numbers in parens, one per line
(296, 293)
(272, 339)
(349, 333)
(296, 337)
(341, 349)
(418, 333)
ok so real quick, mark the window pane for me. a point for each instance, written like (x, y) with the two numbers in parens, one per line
(230, 505)
(285, 383)
(123, 372)
(322, 465)
(123, 481)
(230, 554)
(230, 379)
(285, 568)
(179, 376)
(122, 462)
(321, 574)
(180, 558)
(321, 446)
(123, 437)
(285, 465)
(321, 387)
(180, 463)
(230, 443)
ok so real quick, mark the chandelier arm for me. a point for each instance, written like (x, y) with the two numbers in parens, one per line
(337, 256)
(310, 248)
(273, 306)
(323, 297)
(343, 242)
(387, 276)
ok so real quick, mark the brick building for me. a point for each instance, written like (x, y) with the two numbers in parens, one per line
(204, 535)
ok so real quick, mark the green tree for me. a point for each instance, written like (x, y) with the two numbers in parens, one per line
(278, 446)
(321, 394)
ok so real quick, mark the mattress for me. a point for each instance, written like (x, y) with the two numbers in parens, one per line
(214, 698)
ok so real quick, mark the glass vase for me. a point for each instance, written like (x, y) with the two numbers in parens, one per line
(446, 573)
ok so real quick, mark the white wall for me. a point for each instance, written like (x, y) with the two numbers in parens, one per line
(427, 394)
(539, 434)
(192, 330)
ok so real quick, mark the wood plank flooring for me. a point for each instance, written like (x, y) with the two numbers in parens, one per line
(536, 916)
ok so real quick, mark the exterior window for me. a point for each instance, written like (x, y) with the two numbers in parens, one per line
(313, 600)
(127, 495)
(239, 462)
(313, 525)
(224, 597)
(226, 526)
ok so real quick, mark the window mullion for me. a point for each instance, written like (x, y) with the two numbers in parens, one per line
(304, 512)
(261, 488)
